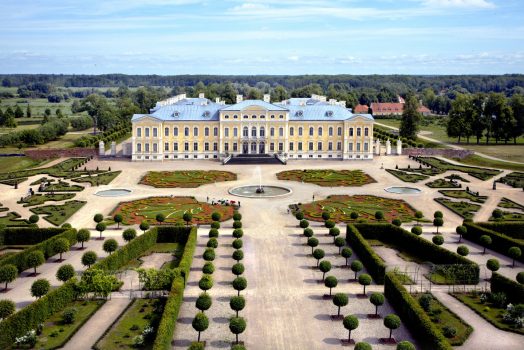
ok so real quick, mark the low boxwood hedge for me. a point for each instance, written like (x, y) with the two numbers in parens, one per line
(374, 263)
(499, 241)
(514, 291)
(47, 247)
(413, 315)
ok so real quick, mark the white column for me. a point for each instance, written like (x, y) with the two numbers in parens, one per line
(377, 147)
(388, 147)
(101, 149)
(399, 147)
(113, 148)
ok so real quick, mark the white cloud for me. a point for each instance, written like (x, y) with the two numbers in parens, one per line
(459, 3)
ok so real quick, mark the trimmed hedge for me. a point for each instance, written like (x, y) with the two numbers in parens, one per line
(499, 241)
(412, 314)
(422, 248)
(514, 291)
(37, 312)
(47, 247)
(27, 235)
(511, 229)
(374, 263)
(189, 250)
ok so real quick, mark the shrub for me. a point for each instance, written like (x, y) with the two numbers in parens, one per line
(497, 214)
(374, 264)
(396, 222)
(238, 255)
(485, 241)
(129, 234)
(40, 287)
(312, 242)
(325, 215)
(209, 254)
(200, 323)
(144, 226)
(329, 224)
(237, 243)
(237, 224)
(239, 284)
(405, 345)
(417, 230)
(238, 269)
(33, 219)
(438, 214)
(318, 254)
(205, 283)
(212, 243)
(203, 302)
(514, 253)
(520, 277)
(237, 325)
(237, 303)
(334, 232)
(8, 274)
(356, 266)
(462, 250)
(392, 322)
(461, 231)
(213, 233)
(208, 268)
(238, 233)
(364, 280)
(69, 315)
(110, 246)
(83, 235)
(377, 299)
(215, 225)
(346, 254)
(379, 215)
(493, 265)
(362, 346)
(340, 300)
(65, 272)
(35, 259)
(330, 282)
(216, 216)
(98, 218)
(449, 331)
(340, 242)
(89, 258)
(324, 267)
(425, 301)
(304, 223)
(299, 216)
(512, 289)
(7, 308)
(350, 323)
(353, 215)
(438, 239)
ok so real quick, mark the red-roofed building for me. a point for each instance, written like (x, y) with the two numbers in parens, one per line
(378, 109)
(424, 110)
(361, 109)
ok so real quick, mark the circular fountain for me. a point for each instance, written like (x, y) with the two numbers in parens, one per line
(402, 190)
(259, 191)
(115, 192)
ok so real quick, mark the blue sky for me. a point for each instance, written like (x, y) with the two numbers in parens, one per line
(262, 36)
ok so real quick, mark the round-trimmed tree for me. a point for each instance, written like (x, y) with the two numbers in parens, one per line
(299, 215)
(330, 282)
(392, 322)
(334, 232)
(144, 226)
(461, 231)
(379, 215)
(98, 218)
(330, 224)
(33, 219)
(215, 224)
(200, 323)
(350, 323)
(160, 218)
(237, 303)
(356, 266)
(237, 216)
(238, 269)
(129, 234)
(118, 218)
(40, 287)
(237, 224)
(514, 253)
(417, 230)
(35, 259)
(362, 346)
(396, 222)
(208, 268)
(8, 274)
(187, 217)
(438, 239)
(65, 272)
(213, 233)
(353, 215)
(83, 235)
(89, 258)
(418, 215)
(239, 284)
(462, 250)
(61, 246)
(493, 265)
(308, 232)
(497, 214)
(438, 214)
(212, 243)
(237, 325)
(312, 242)
(326, 216)
(346, 253)
(438, 222)
(340, 300)
(209, 254)
(324, 267)
(304, 223)
(485, 241)
(238, 255)
(203, 302)
(520, 277)
(377, 299)
(238, 233)
(216, 216)
(205, 283)
(237, 243)
(340, 242)
(110, 246)
(7, 308)
(364, 280)
(318, 254)
(101, 227)
(406, 345)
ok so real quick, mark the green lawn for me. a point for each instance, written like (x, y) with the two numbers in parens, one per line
(185, 178)
(490, 163)
(443, 166)
(327, 177)
(62, 169)
(407, 177)
(12, 219)
(100, 179)
(441, 317)
(514, 179)
(58, 214)
(509, 204)
(13, 164)
(464, 209)
(464, 195)
(442, 183)
(55, 333)
(62, 186)
(141, 314)
(488, 311)
(38, 199)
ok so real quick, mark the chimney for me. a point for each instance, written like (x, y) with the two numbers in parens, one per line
(201, 95)
(217, 100)
(332, 101)
(267, 98)
(239, 98)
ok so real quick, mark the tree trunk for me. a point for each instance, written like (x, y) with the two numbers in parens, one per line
(199, 337)
(484, 251)
(346, 262)
(349, 336)
(355, 274)
(338, 311)
(513, 264)
(237, 313)
(236, 337)
(82, 244)
(7, 282)
(318, 261)
(364, 289)
(329, 289)
(323, 276)
(376, 310)
(390, 332)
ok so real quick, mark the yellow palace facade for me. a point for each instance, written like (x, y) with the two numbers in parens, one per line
(297, 128)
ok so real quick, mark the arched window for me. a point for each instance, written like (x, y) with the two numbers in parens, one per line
(166, 132)
(359, 132)
(366, 132)
(339, 131)
(139, 147)
(235, 132)
(175, 131)
(311, 131)
(253, 131)
(281, 132)
(320, 131)
(195, 131)
(291, 131)
(272, 132)
(300, 131)
(226, 132)
(262, 131)
(186, 131)
(215, 131)
(245, 131)
(330, 131)
(206, 131)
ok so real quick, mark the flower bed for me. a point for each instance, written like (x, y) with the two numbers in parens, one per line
(407, 177)
(464, 209)
(185, 178)
(173, 208)
(472, 196)
(442, 183)
(328, 177)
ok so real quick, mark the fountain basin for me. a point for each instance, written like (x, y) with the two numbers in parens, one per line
(115, 192)
(253, 191)
(402, 190)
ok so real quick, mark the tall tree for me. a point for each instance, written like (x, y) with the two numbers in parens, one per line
(517, 105)
(410, 118)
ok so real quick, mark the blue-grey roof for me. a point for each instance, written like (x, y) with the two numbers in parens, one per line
(198, 109)
(246, 103)
(304, 100)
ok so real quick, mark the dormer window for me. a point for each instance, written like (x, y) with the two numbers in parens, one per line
(245, 117)
(226, 116)
(235, 116)
(329, 113)
(253, 117)
(207, 114)
(272, 117)
(299, 113)
(176, 114)
(281, 116)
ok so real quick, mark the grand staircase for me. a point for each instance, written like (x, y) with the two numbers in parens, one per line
(254, 159)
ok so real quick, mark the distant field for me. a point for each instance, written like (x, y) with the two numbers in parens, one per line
(38, 105)
(19, 163)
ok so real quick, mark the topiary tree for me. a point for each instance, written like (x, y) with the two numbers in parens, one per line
(418, 215)
(215, 224)
(379, 215)
(208, 268)
(239, 284)
(203, 302)
(461, 231)
(160, 218)
(299, 216)
(110, 246)
(438, 214)
(212, 243)
(61, 246)
(129, 234)
(238, 233)
(340, 242)
(304, 223)
(200, 323)
(377, 299)
(312, 242)
(334, 232)
(330, 282)
(8, 274)
(438, 239)
(497, 214)
(346, 253)
(520, 277)
(396, 222)
(33, 219)
(7, 308)
(187, 217)
(353, 215)
(216, 216)
(462, 250)
(362, 346)
(237, 216)
(237, 224)
(318, 254)
(213, 233)
(35, 259)
(485, 241)
(356, 266)
(324, 267)
(493, 265)
(98, 218)
(238, 269)
(392, 322)
(238, 255)
(308, 233)
(237, 243)
(350, 323)
(118, 218)
(144, 226)
(101, 227)
(364, 280)
(406, 345)
(40, 287)
(237, 325)
(196, 346)
(65, 272)
(89, 258)
(514, 253)
(425, 301)
(438, 222)
(205, 283)
(340, 300)
(83, 235)
(237, 303)
(209, 254)
(330, 224)
(417, 230)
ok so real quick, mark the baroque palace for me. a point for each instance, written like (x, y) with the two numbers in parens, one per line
(297, 128)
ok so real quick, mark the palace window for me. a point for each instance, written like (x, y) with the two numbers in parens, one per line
(281, 132)
(319, 146)
(175, 146)
(366, 146)
(330, 146)
(138, 132)
(245, 117)
(215, 146)
(226, 116)
(166, 132)
(235, 116)
(339, 146)
(272, 132)
(147, 147)
(235, 147)
(281, 116)
(330, 131)
(262, 131)
(280, 147)
(195, 131)
(291, 131)
(206, 146)
(311, 131)
(245, 131)
(300, 131)
(291, 148)
(215, 131)
(262, 117)
(319, 131)
(366, 132)
(272, 147)
(254, 131)
(272, 117)
(311, 146)
(358, 146)
(186, 146)
(166, 146)
(186, 131)
(226, 147)
(339, 131)
(299, 146)
(235, 132)
(139, 147)
(195, 146)
(226, 132)
(351, 146)
(253, 117)
(206, 131)
(147, 132)
(175, 131)
(359, 132)
(155, 132)
(350, 132)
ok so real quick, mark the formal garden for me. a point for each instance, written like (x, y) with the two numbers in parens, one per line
(327, 177)
(406, 176)
(57, 214)
(462, 208)
(185, 178)
(172, 210)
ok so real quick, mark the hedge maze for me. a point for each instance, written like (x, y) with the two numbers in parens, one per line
(185, 178)
(327, 177)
